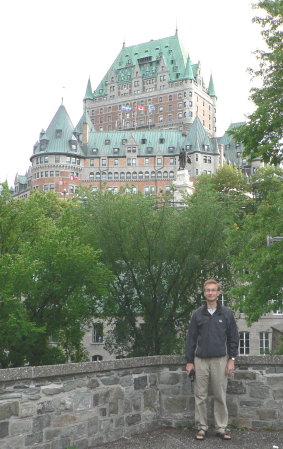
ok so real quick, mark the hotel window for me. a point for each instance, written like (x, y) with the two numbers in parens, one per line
(51, 186)
(103, 162)
(160, 119)
(244, 343)
(180, 115)
(140, 175)
(46, 187)
(180, 105)
(97, 176)
(146, 161)
(122, 176)
(153, 175)
(146, 175)
(116, 175)
(159, 161)
(170, 97)
(110, 176)
(171, 175)
(264, 343)
(172, 161)
(116, 162)
(91, 176)
(128, 176)
(45, 159)
(57, 158)
(160, 99)
(107, 142)
(170, 118)
(134, 175)
(165, 175)
(97, 333)
(91, 162)
(160, 108)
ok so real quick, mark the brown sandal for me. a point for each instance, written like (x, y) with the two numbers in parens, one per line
(200, 435)
(224, 435)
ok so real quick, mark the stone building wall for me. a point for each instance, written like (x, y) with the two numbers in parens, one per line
(86, 404)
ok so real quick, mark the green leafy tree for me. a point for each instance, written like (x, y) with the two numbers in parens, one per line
(51, 282)
(160, 256)
(262, 134)
(259, 267)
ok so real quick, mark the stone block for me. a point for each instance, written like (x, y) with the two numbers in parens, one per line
(168, 378)
(140, 382)
(258, 390)
(174, 404)
(120, 421)
(126, 406)
(136, 403)
(51, 434)
(93, 383)
(244, 375)
(82, 400)
(27, 410)
(150, 398)
(152, 380)
(113, 407)
(126, 381)
(62, 420)
(274, 380)
(14, 443)
(81, 444)
(40, 423)
(117, 393)
(133, 419)
(103, 411)
(61, 444)
(277, 394)
(92, 426)
(236, 387)
(45, 407)
(52, 389)
(110, 380)
(4, 429)
(100, 398)
(9, 409)
(266, 414)
(34, 438)
(20, 426)
(250, 403)
(105, 425)
(77, 430)
(242, 423)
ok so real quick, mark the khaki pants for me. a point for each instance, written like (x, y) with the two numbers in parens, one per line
(211, 370)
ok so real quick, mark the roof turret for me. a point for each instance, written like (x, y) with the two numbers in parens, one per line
(211, 90)
(88, 92)
(189, 70)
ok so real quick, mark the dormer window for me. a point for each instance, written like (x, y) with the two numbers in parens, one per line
(188, 147)
(107, 142)
(143, 141)
(161, 140)
(171, 149)
(149, 149)
(205, 147)
(58, 133)
(43, 145)
(116, 150)
(94, 150)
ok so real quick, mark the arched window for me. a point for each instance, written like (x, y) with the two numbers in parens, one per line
(153, 175)
(128, 175)
(165, 175)
(134, 175)
(171, 175)
(122, 175)
(91, 176)
(103, 176)
(159, 175)
(97, 336)
(116, 175)
(97, 176)
(140, 175)
(146, 175)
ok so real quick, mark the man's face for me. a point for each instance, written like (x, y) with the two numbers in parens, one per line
(211, 292)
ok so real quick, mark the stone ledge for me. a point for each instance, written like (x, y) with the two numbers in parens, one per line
(137, 362)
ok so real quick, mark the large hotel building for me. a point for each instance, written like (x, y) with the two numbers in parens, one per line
(151, 103)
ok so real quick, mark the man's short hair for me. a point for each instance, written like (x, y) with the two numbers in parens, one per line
(212, 281)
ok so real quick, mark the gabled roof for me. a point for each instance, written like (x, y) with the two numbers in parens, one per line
(147, 56)
(198, 139)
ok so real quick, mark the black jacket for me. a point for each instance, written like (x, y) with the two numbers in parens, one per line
(212, 335)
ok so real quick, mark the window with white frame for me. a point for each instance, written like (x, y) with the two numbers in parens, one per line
(244, 348)
(97, 333)
(264, 343)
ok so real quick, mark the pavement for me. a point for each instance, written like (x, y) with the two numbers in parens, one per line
(172, 438)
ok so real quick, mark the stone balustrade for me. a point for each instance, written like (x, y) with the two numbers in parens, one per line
(86, 404)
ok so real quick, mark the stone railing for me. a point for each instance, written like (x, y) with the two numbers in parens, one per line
(86, 404)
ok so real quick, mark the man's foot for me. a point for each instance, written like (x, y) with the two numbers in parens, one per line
(224, 435)
(200, 435)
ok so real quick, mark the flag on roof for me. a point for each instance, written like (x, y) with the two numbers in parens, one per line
(151, 107)
(140, 108)
(126, 108)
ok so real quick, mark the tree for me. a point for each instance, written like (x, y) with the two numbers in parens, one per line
(51, 282)
(258, 267)
(160, 256)
(262, 134)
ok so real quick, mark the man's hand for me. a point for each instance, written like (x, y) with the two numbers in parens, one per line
(190, 367)
(230, 367)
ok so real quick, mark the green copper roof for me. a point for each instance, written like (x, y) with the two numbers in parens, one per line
(198, 139)
(59, 135)
(189, 70)
(148, 56)
(88, 92)
(232, 149)
(211, 90)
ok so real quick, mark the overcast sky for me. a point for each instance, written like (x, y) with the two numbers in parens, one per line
(51, 47)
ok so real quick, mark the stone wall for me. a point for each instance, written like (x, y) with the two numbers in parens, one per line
(86, 404)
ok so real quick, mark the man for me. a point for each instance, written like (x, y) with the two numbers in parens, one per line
(212, 346)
